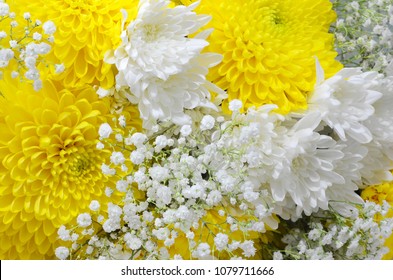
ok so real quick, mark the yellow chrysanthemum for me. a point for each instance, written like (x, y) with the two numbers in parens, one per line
(269, 48)
(86, 30)
(49, 165)
(378, 194)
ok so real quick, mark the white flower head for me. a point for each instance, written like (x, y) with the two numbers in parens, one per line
(235, 105)
(26, 16)
(42, 48)
(185, 130)
(94, 205)
(137, 157)
(13, 43)
(61, 252)
(248, 248)
(157, 37)
(379, 159)
(202, 251)
(106, 170)
(221, 241)
(105, 130)
(4, 9)
(161, 233)
(59, 68)
(309, 166)
(349, 167)
(14, 74)
(5, 56)
(3, 34)
(159, 173)
(345, 101)
(100, 146)
(49, 27)
(84, 220)
(63, 233)
(37, 36)
(32, 74)
(117, 158)
(133, 242)
(122, 185)
(138, 139)
(207, 123)
(162, 66)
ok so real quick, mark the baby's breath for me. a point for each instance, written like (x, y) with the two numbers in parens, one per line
(24, 45)
(330, 235)
(363, 33)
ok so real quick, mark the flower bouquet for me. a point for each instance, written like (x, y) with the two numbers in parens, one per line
(158, 129)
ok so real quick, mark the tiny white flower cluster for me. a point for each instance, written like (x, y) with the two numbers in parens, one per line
(330, 235)
(364, 33)
(24, 50)
(183, 178)
(62, 252)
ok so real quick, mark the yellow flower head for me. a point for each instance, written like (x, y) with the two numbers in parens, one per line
(378, 194)
(269, 48)
(86, 30)
(50, 168)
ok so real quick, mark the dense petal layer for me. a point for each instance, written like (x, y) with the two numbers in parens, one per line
(49, 166)
(269, 49)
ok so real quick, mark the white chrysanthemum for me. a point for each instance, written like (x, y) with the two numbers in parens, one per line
(380, 123)
(345, 101)
(359, 105)
(160, 100)
(379, 160)
(308, 169)
(376, 165)
(157, 39)
(349, 167)
(161, 65)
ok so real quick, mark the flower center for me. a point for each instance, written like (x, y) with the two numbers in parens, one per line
(90, 5)
(297, 163)
(79, 164)
(76, 165)
(151, 32)
(276, 18)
